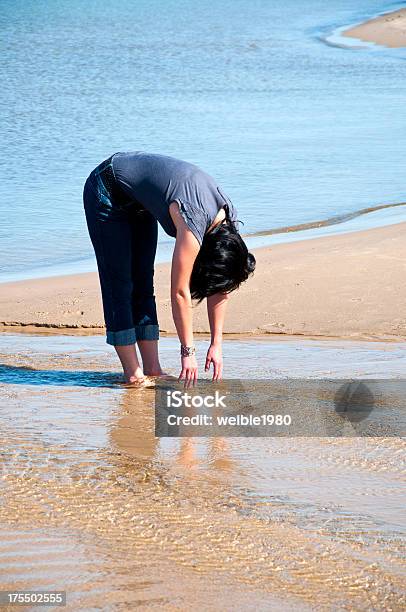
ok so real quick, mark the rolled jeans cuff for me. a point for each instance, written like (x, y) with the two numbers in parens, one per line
(122, 337)
(147, 332)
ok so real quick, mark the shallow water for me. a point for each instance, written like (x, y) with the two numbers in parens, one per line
(295, 130)
(94, 504)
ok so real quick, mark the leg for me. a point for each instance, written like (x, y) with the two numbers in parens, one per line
(131, 366)
(110, 233)
(145, 237)
(150, 357)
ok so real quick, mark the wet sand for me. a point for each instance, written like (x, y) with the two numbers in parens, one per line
(94, 504)
(349, 285)
(388, 30)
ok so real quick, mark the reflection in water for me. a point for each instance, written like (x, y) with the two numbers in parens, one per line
(265, 523)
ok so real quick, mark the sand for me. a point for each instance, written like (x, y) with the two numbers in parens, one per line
(94, 504)
(348, 285)
(388, 30)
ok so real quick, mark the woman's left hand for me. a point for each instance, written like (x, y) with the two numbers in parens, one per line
(215, 357)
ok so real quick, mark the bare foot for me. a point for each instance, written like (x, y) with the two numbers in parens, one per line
(134, 376)
(153, 372)
(143, 382)
(136, 380)
(161, 374)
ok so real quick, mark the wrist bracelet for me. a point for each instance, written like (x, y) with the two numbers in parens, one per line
(187, 351)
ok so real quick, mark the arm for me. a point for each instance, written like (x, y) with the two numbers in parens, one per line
(216, 310)
(184, 255)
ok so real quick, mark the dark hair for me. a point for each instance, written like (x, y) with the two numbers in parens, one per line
(223, 262)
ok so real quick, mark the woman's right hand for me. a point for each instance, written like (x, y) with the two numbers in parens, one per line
(189, 371)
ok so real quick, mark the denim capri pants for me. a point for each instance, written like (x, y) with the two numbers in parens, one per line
(124, 239)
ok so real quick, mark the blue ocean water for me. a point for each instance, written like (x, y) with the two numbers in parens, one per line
(294, 126)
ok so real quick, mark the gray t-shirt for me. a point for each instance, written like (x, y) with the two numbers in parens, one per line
(156, 180)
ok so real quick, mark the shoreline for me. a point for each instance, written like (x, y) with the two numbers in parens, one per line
(388, 29)
(309, 230)
(82, 332)
(343, 286)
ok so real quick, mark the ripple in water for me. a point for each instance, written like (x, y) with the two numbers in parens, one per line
(268, 523)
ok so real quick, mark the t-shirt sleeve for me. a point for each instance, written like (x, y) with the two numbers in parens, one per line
(194, 217)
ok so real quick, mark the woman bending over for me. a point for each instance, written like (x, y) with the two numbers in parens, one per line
(125, 198)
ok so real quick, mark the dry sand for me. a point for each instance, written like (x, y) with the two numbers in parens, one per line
(349, 285)
(388, 30)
